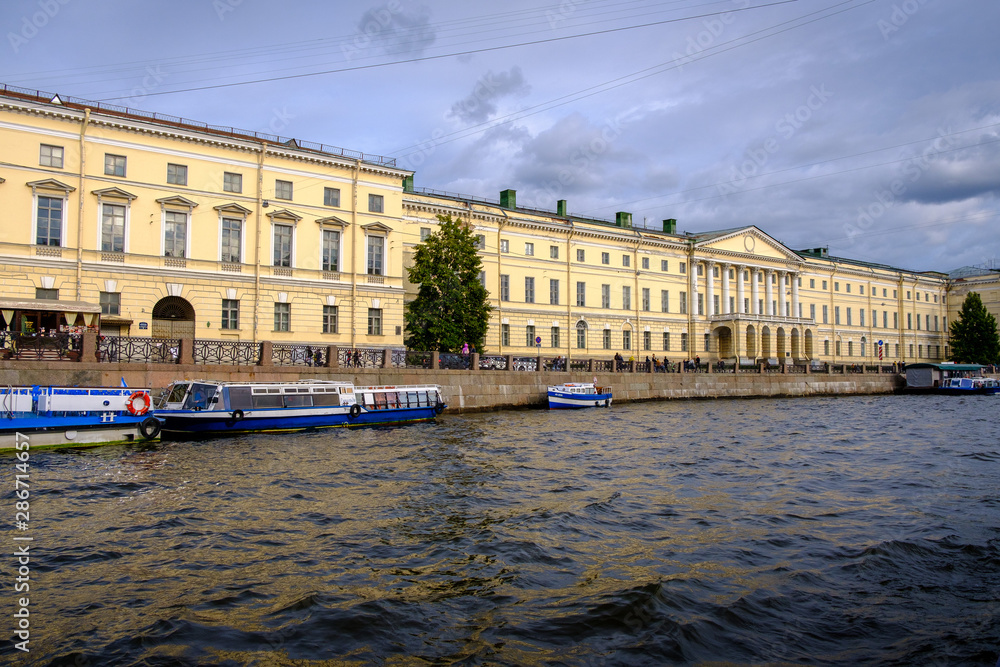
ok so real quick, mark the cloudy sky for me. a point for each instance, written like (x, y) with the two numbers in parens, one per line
(868, 126)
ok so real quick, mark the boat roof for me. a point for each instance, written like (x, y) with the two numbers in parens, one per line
(946, 366)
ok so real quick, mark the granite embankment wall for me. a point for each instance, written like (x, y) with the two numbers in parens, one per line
(465, 391)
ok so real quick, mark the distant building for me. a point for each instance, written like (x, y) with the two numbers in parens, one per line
(177, 228)
(983, 280)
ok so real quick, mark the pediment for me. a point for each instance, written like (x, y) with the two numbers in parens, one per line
(233, 209)
(114, 193)
(176, 200)
(377, 227)
(332, 221)
(50, 184)
(284, 215)
(749, 243)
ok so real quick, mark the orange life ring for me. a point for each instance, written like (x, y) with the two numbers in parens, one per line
(140, 397)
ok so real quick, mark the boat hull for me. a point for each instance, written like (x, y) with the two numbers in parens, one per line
(563, 401)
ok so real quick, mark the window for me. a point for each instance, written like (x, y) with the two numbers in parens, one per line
(885, 292)
(232, 182)
(812, 312)
(504, 245)
(708, 342)
(935, 323)
(330, 319)
(175, 234)
(626, 260)
(50, 156)
(684, 303)
(645, 263)
(626, 298)
(895, 321)
(504, 287)
(529, 249)
(580, 255)
(529, 290)
(374, 321)
(836, 314)
(282, 316)
(701, 303)
(850, 346)
(581, 294)
(605, 296)
(230, 314)
(894, 292)
(581, 336)
(282, 245)
(331, 197)
(897, 350)
(482, 279)
(824, 284)
(111, 303)
(232, 242)
(666, 341)
(826, 348)
(606, 339)
(376, 204)
(837, 348)
(605, 258)
(554, 252)
(701, 270)
(684, 342)
(627, 339)
(715, 304)
(848, 286)
(664, 264)
(885, 319)
(114, 165)
(49, 221)
(554, 293)
(177, 174)
(112, 228)
(849, 322)
(683, 267)
(861, 317)
(376, 246)
(909, 322)
(505, 335)
(331, 250)
(664, 301)
(555, 337)
(529, 335)
(425, 233)
(282, 189)
(836, 287)
(908, 296)
(647, 340)
(812, 283)
(645, 298)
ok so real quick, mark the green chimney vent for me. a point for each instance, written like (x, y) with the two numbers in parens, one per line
(508, 199)
(623, 219)
(561, 208)
(408, 183)
(670, 226)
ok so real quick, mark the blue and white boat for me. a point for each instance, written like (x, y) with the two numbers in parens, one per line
(192, 408)
(579, 395)
(74, 416)
(969, 386)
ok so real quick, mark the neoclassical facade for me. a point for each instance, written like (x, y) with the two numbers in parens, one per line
(176, 228)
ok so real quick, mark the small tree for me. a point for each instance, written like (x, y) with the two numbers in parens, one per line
(452, 307)
(974, 337)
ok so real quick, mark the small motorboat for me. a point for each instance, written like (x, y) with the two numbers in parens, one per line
(579, 395)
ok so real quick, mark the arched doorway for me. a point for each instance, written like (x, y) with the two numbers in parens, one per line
(796, 344)
(751, 346)
(782, 344)
(810, 352)
(765, 342)
(173, 317)
(724, 336)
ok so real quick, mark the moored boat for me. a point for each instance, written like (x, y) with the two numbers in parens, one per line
(969, 386)
(74, 416)
(578, 395)
(191, 408)
(950, 379)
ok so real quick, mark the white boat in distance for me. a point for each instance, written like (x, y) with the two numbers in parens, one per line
(579, 395)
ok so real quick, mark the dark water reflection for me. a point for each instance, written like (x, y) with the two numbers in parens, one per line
(809, 531)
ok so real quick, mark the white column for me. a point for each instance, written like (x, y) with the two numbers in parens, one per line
(709, 289)
(725, 289)
(740, 295)
(768, 292)
(795, 294)
(754, 291)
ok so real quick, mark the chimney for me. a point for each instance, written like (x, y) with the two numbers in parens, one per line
(670, 226)
(561, 208)
(408, 183)
(623, 219)
(508, 199)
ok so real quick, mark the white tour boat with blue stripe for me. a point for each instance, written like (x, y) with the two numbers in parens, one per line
(579, 395)
(205, 407)
(74, 416)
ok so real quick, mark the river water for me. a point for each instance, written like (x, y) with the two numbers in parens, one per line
(821, 531)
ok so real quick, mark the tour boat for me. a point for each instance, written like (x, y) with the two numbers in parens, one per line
(190, 408)
(579, 395)
(74, 416)
(966, 386)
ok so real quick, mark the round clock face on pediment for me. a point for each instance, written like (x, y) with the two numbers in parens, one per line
(749, 242)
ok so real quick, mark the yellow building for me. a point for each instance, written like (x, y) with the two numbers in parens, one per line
(177, 229)
(580, 287)
(983, 281)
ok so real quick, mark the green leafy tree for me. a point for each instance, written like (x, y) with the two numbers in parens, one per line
(974, 337)
(452, 307)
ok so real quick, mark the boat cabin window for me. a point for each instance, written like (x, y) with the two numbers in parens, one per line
(199, 396)
(298, 400)
(177, 392)
(326, 399)
(240, 398)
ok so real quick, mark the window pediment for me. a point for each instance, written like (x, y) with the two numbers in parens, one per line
(177, 200)
(49, 184)
(233, 209)
(376, 228)
(284, 215)
(114, 193)
(332, 221)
